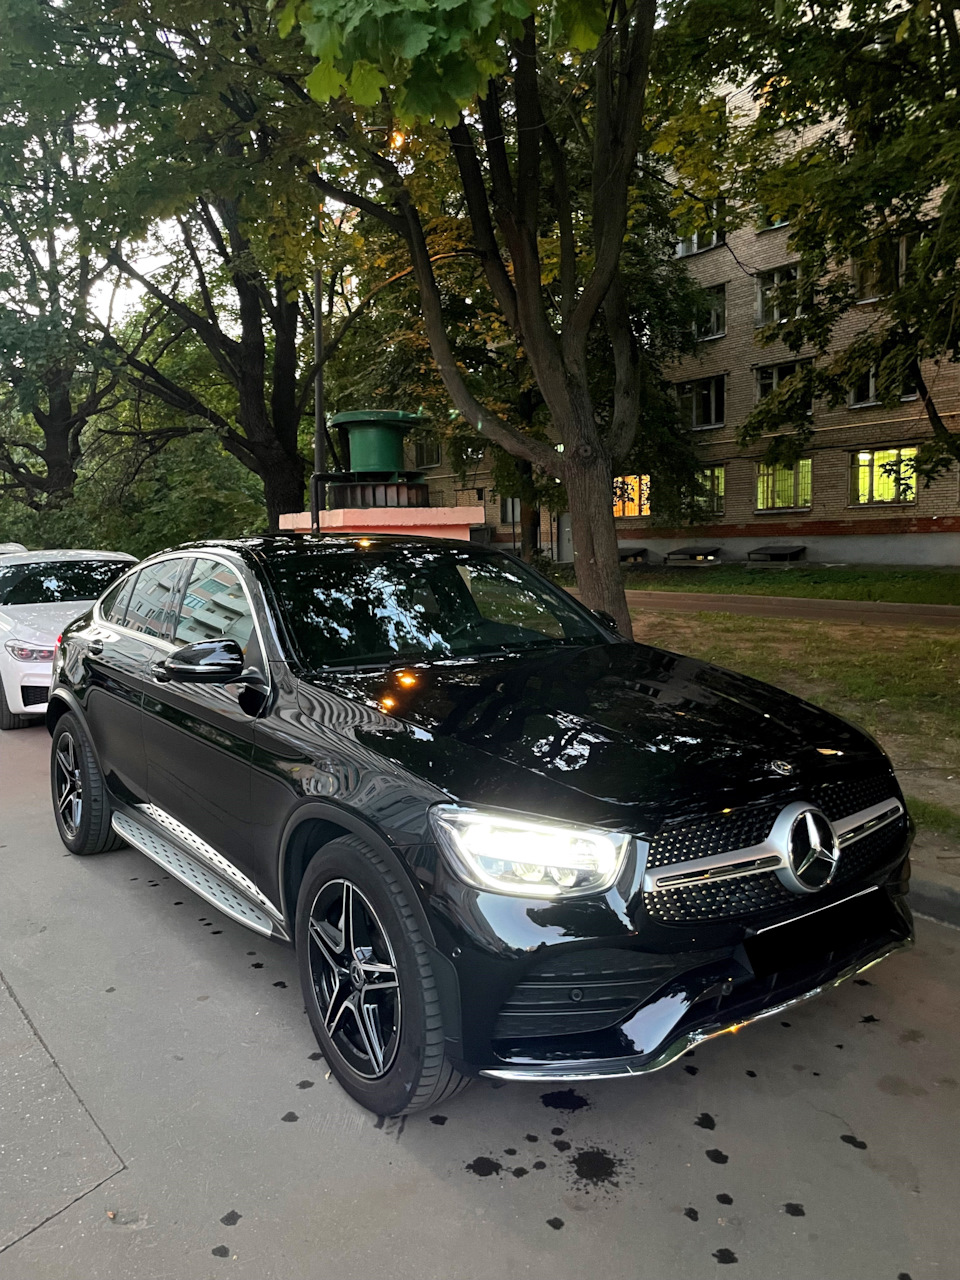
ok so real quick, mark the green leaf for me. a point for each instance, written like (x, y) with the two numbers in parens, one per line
(365, 84)
(324, 82)
(287, 19)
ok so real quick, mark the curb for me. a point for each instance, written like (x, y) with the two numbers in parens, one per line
(938, 899)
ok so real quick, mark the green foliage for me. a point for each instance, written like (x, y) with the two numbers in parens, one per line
(126, 499)
(433, 59)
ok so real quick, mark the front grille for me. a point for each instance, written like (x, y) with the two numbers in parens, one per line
(586, 991)
(34, 695)
(715, 900)
(840, 799)
(722, 834)
(871, 853)
(737, 896)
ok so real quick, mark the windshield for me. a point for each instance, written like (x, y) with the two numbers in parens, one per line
(53, 582)
(349, 605)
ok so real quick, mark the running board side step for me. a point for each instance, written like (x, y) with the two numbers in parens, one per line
(196, 875)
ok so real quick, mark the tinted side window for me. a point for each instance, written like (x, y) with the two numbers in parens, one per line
(214, 607)
(113, 606)
(151, 597)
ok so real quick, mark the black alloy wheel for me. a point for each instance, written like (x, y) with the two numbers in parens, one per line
(368, 981)
(355, 979)
(67, 784)
(81, 806)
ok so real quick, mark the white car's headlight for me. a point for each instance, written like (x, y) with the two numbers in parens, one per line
(529, 856)
(23, 651)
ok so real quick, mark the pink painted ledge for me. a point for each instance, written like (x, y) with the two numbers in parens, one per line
(417, 522)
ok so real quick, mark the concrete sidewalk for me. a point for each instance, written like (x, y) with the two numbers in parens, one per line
(877, 613)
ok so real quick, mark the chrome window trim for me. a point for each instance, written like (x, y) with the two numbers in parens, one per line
(193, 556)
(770, 854)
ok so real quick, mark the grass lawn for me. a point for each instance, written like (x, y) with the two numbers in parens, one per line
(902, 685)
(909, 586)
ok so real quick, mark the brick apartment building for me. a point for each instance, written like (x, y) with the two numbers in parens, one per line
(840, 502)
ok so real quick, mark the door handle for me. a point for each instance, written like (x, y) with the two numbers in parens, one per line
(95, 646)
(159, 672)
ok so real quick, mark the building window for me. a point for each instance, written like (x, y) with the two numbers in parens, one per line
(701, 402)
(864, 390)
(771, 220)
(780, 486)
(883, 475)
(427, 454)
(770, 377)
(714, 322)
(631, 496)
(710, 497)
(777, 295)
(704, 237)
(509, 510)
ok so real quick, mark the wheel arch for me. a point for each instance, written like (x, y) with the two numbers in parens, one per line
(313, 825)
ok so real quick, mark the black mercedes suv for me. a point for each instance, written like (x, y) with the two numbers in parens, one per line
(504, 840)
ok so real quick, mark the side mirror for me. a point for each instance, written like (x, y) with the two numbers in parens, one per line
(206, 662)
(608, 620)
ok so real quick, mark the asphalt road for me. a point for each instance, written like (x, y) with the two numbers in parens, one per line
(164, 1113)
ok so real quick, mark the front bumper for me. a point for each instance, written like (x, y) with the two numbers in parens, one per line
(674, 1017)
(26, 685)
(764, 972)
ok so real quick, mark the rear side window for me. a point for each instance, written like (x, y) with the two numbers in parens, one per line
(149, 609)
(113, 606)
(214, 607)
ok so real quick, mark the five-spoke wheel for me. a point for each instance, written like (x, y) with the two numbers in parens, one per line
(81, 805)
(355, 978)
(368, 970)
(67, 783)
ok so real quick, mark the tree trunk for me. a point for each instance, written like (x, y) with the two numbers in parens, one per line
(529, 530)
(596, 552)
(283, 486)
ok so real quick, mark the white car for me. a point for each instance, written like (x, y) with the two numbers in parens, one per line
(40, 592)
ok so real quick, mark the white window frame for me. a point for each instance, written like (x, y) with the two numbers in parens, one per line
(709, 501)
(702, 239)
(778, 276)
(868, 455)
(778, 377)
(773, 467)
(693, 384)
(707, 335)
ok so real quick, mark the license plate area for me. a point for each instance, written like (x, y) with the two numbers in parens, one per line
(843, 927)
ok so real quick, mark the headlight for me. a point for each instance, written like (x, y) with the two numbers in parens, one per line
(24, 652)
(540, 859)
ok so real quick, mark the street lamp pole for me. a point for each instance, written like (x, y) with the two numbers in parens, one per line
(318, 487)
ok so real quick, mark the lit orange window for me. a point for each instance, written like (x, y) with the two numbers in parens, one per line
(631, 496)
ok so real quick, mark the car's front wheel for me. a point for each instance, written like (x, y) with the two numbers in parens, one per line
(370, 991)
(81, 805)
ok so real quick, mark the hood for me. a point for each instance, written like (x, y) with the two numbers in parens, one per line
(39, 623)
(614, 734)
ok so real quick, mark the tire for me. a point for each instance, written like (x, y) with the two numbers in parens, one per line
(81, 807)
(11, 719)
(387, 1050)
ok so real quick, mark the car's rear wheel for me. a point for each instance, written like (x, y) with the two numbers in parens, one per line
(11, 719)
(81, 805)
(370, 991)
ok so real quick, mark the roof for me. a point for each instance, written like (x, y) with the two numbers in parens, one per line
(41, 557)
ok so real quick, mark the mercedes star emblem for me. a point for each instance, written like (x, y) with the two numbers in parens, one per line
(812, 852)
